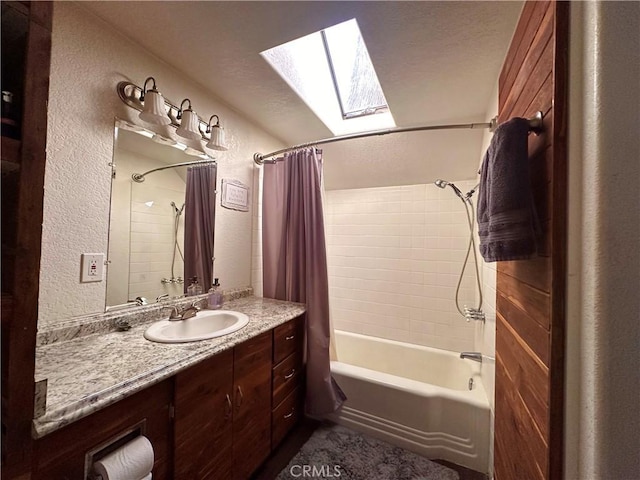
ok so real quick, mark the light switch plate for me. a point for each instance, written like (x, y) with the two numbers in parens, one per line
(91, 267)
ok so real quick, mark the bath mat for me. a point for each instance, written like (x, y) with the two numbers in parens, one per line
(338, 453)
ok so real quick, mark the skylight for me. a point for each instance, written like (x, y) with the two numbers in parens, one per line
(332, 72)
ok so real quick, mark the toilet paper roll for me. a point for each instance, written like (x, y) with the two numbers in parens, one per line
(131, 461)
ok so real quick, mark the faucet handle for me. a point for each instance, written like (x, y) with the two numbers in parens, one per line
(174, 312)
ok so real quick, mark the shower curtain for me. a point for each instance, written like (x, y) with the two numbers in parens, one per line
(295, 262)
(200, 206)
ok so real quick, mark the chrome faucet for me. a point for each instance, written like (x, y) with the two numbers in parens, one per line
(475, 356)
(188, 312)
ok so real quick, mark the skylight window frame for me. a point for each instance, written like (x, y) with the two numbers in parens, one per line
(356, 113)
(303, 64)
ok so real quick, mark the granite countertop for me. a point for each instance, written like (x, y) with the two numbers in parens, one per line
(91, 372)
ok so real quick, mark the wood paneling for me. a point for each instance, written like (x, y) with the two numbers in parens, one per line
(530, 18)
(534, 335)
(19, 339)
(535, 302)
(530, 293)
(60, 455)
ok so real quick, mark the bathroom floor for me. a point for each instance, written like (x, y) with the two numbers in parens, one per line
(294, 442)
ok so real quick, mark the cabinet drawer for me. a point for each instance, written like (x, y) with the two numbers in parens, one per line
(287, 375)
(286, 415)
(287, 338)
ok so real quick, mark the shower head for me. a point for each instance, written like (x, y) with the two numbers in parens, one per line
(178, 211)
(443, 184)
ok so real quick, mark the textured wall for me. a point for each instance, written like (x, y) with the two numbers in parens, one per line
(604, 263)
(394, 256)
(88, 59)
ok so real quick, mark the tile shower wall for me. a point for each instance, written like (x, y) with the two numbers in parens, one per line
(485, 335)
(394, 257)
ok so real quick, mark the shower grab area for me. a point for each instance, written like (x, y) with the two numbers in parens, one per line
(403, 287)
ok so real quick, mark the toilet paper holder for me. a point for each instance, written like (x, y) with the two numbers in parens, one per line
(110, 445)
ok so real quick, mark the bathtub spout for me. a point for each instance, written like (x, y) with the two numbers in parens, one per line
(475, 356)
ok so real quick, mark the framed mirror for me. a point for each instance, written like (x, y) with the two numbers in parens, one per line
(148, 217)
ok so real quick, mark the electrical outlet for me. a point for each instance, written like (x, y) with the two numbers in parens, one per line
(92, 266)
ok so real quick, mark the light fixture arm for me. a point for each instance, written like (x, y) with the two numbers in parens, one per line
(180, 110)
(144, 87)
(216, 125)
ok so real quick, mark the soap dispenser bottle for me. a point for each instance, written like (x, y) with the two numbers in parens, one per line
(197, 288)
(191, 287)
(194, 287)
(214, 300)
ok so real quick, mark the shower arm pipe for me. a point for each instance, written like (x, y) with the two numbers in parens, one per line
(535, 125)
(139, 177)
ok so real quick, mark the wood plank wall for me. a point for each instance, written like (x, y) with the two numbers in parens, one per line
(530, 293)
(19, 332)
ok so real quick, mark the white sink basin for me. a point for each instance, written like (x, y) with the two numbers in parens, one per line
(206, 324)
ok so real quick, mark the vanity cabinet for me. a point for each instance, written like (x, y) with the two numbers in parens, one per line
(218, 419)
(252, 405)
(61, 454)
(203, 419)
(288, 378)
(222, 409)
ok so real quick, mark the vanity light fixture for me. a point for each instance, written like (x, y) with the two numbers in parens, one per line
(188, 122)
(160, 112)
(217, 140)
(153, 105)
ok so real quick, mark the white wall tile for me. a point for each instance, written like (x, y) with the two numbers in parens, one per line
(394, 266)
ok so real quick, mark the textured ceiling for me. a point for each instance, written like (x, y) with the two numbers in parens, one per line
(437, 62)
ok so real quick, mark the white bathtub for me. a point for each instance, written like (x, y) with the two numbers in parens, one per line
(414, 397)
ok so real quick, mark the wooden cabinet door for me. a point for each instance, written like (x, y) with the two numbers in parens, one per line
(61, 454)
(252, 405)
(203, 420)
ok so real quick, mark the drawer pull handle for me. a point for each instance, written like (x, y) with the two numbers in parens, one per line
(290, 337)
(293, 372)
(229, 406)
(289, 415)
(240, 396)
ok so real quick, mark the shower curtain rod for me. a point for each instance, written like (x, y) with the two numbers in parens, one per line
(139, 177)
(535, 125)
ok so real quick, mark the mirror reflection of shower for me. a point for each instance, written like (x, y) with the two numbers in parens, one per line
(177, 213)
(470, 313)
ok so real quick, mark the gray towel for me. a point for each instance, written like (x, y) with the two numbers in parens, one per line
(507, 222)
